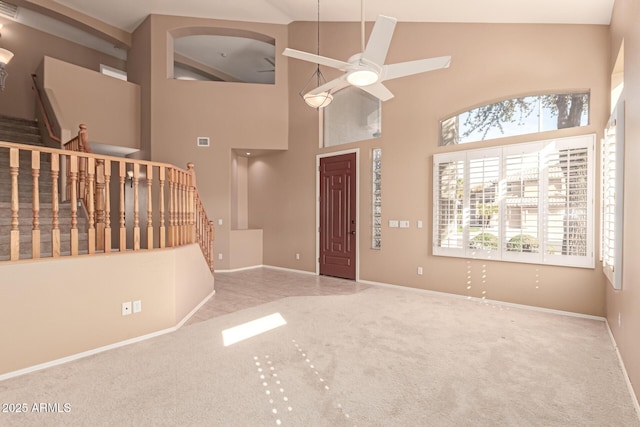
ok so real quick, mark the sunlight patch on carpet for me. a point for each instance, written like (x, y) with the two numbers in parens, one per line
(251, 329)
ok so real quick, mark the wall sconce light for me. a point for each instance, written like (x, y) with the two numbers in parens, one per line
(5, 58)
(130, 177)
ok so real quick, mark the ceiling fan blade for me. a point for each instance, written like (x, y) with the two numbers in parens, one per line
(316, 59)
(378, 90)
(332, 85)
(393, 71)
(380, 39)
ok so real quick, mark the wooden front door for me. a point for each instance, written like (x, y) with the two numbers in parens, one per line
(338, 216)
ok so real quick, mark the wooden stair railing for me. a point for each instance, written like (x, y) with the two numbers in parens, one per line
(163, 190)
(43, 111)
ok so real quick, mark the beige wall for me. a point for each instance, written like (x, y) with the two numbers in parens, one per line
(489, 62)
(192, 278)
(245, 247)
(624, 306)
(233, 115)
(63, 307)
(30, 46)
(108, 106)
(139, 72)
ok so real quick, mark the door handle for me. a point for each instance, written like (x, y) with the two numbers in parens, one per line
(353, 232)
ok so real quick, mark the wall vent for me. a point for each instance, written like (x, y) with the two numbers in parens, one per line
(203, 141)
(9, 10)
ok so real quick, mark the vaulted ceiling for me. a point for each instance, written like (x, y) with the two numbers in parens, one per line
(127, 14)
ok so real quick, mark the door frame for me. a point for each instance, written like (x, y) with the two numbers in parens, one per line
(358, 228)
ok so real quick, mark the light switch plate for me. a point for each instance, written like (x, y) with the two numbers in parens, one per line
(404, 224)
(419, 223)
(393, 223)
(137, 306)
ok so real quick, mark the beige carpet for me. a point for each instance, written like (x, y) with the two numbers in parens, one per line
(381, 357)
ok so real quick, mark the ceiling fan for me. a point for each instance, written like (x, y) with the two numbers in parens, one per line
(272, 63)
(367, 69)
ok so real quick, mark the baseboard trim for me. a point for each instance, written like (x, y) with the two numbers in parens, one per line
(273, 267)
(487, 301)
(632, 393)
(234, 270)
(196, 308)
(84, 354)
(108, 347)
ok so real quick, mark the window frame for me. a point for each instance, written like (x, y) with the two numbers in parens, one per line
(542, 256)
(612, 210)
(450, 127)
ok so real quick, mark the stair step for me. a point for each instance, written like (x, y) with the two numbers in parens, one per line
(17, 120)
(21, 138)
(27, 132)
(31, 128)
(25, 238)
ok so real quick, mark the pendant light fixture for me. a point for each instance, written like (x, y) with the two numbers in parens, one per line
(322, 99)
(5, 56)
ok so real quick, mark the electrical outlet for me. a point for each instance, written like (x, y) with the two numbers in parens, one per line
(419, 271)
(220, 256)
(219, 221)
(419, 223)
(393, 223)
(137, 306)
(297, 256)
(126, 308)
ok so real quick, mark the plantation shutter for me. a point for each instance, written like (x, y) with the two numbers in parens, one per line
(448, 192)
(521, 203)
(612, 149)
(528, 202)
(569, 205)
(483, 198)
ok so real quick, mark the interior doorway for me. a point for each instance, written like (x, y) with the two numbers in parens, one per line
(338, 216)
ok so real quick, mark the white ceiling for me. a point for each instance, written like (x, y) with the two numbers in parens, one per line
(246, 60)
(128, 14)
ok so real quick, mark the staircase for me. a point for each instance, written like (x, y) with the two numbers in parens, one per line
(27, 132)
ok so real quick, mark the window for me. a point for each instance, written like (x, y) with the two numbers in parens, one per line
(354, 115)
(376, 205)
(517, 116)
(524, 202)
(612, 147)
(612, 179)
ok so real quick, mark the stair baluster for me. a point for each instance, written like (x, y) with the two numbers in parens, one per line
(35, 205)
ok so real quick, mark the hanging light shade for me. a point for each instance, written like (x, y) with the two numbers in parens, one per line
(322, 99)
(5, 56)
(316, 100)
